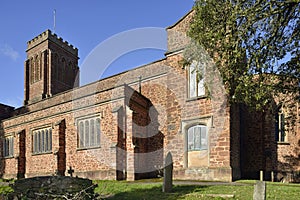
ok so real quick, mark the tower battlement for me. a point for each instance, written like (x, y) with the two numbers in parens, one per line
(51, 67)
(48, 35)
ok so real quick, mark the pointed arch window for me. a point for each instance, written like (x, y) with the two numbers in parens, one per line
(280, 125)
(37, 68)
(31, 70)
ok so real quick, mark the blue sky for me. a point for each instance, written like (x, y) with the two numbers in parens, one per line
(85, 24)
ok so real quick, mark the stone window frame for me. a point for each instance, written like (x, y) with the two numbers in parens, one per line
(89, 128)
(42, 140)
(8, 141)
(206, 120)
(196, 82)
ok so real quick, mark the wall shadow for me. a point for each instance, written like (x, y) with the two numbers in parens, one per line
(148, 143)
(146, 137)
(258, 147)
(5, 113)
(288, 172)
(121, 156)
(155, 192)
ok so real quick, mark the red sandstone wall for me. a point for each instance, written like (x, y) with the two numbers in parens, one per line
(240, 142)
(177, 33)
(288, 153)
(88, 100)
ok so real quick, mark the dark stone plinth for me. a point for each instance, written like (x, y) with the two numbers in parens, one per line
(53, 187)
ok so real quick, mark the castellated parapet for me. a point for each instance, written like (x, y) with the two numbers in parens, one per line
(48, 35)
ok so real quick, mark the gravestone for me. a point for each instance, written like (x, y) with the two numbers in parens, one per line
(261, 175)
(168, 174)
(259, 190)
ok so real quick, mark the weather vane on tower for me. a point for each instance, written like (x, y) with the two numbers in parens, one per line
(54, 20)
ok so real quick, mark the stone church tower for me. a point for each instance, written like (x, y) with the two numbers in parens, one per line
(51, 67)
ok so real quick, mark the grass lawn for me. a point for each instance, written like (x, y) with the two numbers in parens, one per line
(147, 190)
(114, 190)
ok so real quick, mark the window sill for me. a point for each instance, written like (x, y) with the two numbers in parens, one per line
(8, 157)
(196, 98)
(283, 143)
(197, 150)
(88, 148)
(42, 153)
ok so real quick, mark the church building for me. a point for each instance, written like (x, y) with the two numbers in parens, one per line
(122, 127)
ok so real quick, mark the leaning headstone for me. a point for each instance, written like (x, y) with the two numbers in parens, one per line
(259, 190)
(168, 173)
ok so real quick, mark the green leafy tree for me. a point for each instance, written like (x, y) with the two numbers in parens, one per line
(254, 45)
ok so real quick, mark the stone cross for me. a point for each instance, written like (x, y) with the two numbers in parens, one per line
(71, 171)
(168, 173)
(259, 190)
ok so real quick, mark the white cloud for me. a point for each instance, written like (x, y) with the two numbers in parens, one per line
(8, 51)
(14, 102)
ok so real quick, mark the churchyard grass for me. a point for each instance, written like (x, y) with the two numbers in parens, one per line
(152, 190)
(117, 190)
